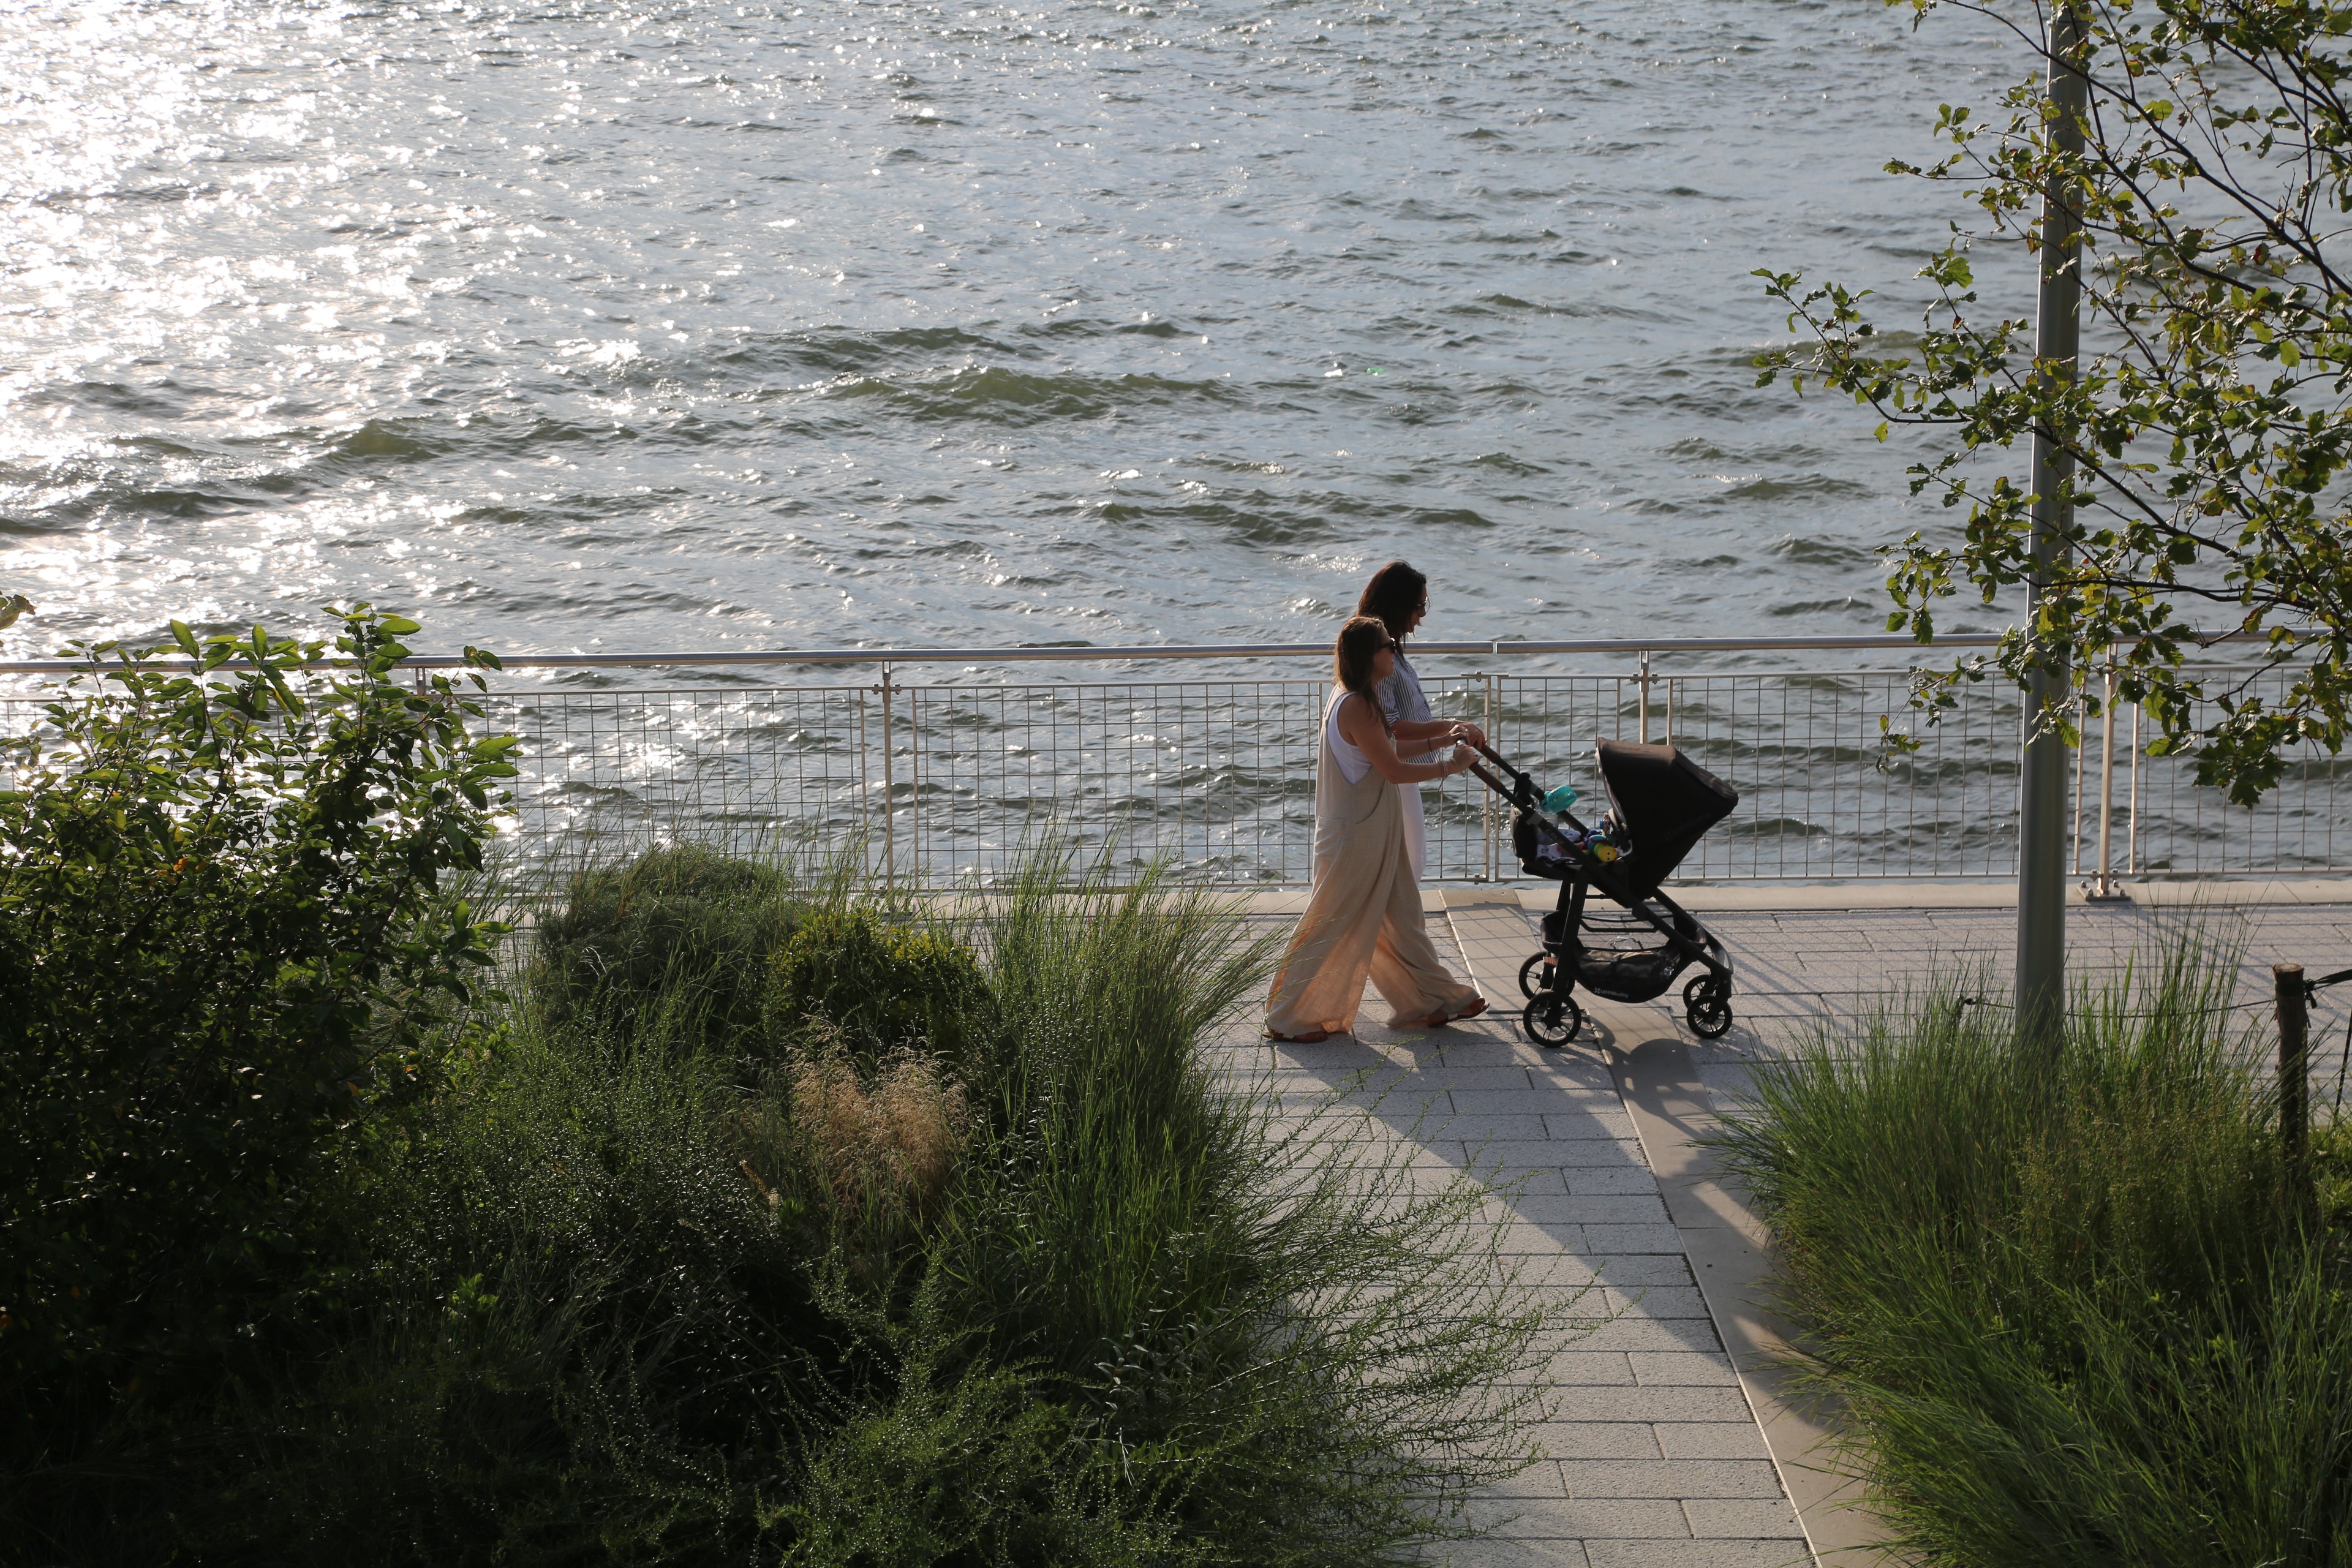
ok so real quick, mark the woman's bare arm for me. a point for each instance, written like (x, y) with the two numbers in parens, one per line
(1437, 732)
(1362, 727)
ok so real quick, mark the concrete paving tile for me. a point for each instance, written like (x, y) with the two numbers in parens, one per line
(1560, 1207)
(1667, 1370)
(1467, 1050)
(1709, 1439)
(1592, 1122)
(1598, 1179)
(1669, 1302)
(1632, 1271)
(1631, 1331)
(1697, 1554)
(1444, 1153)
(1527, 1185)
(1733, 1517)
(1569, 1069)
(1582, 1518)
(1528, 1237)
(1531, 1100)
(1750, 1478)
(1597, 1440)
(1458, 1079)
(1661, 1404)
(1615, 1208)
(1562, 1153)
(1589, 1369)
(1625, 1239)
(1538, 1482)
(1486, 1127)
(1490, 1553)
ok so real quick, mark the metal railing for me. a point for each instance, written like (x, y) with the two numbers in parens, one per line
(942, 782)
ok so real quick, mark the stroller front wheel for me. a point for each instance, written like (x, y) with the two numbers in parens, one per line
(1552, 1019)
(1707, 1003)
(1531, 977)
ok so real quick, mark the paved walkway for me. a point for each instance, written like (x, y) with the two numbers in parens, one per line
(1659, 1453)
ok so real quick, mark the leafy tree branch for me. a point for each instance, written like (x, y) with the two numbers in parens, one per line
(2209, 415)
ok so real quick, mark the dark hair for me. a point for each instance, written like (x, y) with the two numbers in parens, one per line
(1361, 640)
(1393, 595)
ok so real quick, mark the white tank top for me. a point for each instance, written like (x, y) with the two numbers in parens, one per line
(1353, 763)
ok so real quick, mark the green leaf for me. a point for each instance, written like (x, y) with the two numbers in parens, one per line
(186, 638)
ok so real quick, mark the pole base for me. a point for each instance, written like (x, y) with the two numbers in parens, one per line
(2099, 892)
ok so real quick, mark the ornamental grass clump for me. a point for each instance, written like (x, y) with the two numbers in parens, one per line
(2073, 1299)
(888, 1141)
(1293, 1348)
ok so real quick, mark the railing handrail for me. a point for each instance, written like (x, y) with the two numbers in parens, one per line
(1499, 648)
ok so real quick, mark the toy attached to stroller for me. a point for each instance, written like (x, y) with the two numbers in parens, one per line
(1662, 806)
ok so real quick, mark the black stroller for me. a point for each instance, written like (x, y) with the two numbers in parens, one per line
(1664, 803)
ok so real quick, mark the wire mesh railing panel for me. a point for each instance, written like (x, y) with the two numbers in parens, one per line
(1818, 798)
(2166, 823)
(740, 768)
(1204, 775)
(1216, 778)
(20, 715)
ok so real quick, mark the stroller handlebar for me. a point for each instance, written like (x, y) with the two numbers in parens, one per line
(1521, 793)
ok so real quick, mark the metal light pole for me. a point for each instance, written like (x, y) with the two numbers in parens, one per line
(2042, 788)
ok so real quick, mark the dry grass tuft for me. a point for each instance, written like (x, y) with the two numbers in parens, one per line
(886, 1145)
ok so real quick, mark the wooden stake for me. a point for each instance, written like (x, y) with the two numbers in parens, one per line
(2293, 1069)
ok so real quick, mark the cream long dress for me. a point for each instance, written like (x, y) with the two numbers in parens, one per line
(1363, 920)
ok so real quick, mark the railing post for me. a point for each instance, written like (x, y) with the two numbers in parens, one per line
(889, 789)
(2074, 814)
(2131, 851)
(2105, 889)
(1645, 677)
(1492, 808)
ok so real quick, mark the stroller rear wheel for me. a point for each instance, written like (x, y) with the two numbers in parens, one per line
(1552, 1019)
(1707, 1003)
(1531, 975)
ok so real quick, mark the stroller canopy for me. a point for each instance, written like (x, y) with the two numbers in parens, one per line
(1666, 803)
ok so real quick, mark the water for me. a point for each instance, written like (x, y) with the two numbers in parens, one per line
(636, 326)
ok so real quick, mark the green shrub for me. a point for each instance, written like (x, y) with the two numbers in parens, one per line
(882, 986)
(676, 921)
(226, 902)
(2070, 1300)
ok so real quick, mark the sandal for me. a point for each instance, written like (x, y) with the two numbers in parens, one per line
(1311, 1037)
(1476, 1005)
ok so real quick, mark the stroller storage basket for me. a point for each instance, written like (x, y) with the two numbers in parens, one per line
(1638, 974)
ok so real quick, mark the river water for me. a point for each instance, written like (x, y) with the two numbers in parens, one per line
(632, 326)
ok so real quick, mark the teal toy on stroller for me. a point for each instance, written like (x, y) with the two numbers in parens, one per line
(1662, 805)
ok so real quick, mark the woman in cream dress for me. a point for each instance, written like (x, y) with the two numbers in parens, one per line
(1363, 920)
